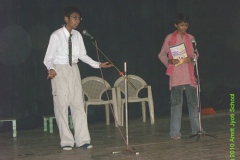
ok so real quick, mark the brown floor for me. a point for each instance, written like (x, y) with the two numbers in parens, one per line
(151, 141)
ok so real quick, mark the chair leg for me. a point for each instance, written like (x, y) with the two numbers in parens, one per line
(50, 124)
(116, 114)
(120, 115)
(115, 107)
(119, 107)
(107, 114)
(150, 104)
(70, 122)
(144, 111)
(45, 121)
(14, 127)
(151, 111)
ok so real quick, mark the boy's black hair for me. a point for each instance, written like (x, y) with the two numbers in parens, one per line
(70, 10)
(181, 17)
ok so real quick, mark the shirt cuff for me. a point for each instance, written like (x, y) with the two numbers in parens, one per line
(51, 68)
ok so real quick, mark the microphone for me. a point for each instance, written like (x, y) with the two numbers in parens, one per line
(194, 45)
(85, 32)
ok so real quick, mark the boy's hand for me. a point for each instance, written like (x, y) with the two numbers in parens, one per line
(173, 61)
(105, 65)
(51, 74)
(188, 60)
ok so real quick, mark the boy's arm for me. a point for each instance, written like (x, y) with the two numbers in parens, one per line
(164, 52)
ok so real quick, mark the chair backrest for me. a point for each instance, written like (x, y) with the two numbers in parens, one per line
(93, 87)
(136, 81)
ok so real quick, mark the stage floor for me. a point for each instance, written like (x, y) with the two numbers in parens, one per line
(151, 141)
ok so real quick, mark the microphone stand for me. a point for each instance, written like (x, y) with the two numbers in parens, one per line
(128, 148)
(126, 81)
(200, 132)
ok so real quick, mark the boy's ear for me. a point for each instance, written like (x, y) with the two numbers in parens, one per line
(175, 25)
(66, 19)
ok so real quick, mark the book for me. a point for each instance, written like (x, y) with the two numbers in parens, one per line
(179, 52)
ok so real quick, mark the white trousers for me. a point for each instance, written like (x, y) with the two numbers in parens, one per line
(67, 92)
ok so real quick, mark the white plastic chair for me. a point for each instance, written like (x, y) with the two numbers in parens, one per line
(93, 89)
(133, 96)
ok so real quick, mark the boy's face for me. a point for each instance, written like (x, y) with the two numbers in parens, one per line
(182, 27)
(72, 21)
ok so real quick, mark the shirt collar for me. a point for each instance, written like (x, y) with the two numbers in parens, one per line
(66, 31)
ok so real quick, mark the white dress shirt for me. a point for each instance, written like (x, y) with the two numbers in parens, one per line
(57, 51)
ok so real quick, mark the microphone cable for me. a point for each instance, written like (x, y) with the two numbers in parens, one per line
(111, 106)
